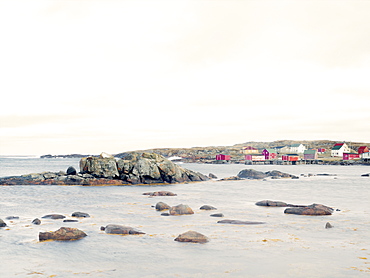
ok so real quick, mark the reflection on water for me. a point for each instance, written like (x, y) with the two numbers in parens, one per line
(286, 246)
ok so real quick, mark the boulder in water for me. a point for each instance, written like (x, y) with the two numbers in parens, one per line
(120, 230)
(192, 236)
(314, 209)
(63, 233)
(180, 210)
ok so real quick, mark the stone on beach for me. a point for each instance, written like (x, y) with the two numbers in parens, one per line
(180, 210)
(192, 236)
(238, 222)
(120, 230)
(314, 209)
(63, 233)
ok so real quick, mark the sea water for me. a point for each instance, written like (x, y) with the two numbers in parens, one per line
(285, 246)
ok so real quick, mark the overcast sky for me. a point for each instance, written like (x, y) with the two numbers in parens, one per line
(92, 76)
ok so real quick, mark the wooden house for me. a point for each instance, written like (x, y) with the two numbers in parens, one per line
(255, 157)
(282, 149)
(321, 150)
(310, 155)
(297, 148)
(223, 157)
(338, 149)
(269, 154)
(290, 157)
(350, 156)
(363, 149)
(249, 150)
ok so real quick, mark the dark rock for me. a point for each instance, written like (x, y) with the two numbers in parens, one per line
(180, 210)
(80, 214)
(314, 209)
(2, 223)
(99, 167)
(121, 230)
(165, 214)
(53, 216)
(160, 193)
(36, 221)
(238, 222)
(207, 207)
(217, 215)
(328, 225)
(365, 175)
(12, 217)
(71, 171)
(268, 203)
(161, 206)
(70, 220)
(212, 176)
(192, 236)
(251, 174)
(63, 233)
(326, 175)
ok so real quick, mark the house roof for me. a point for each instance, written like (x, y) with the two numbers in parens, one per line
(309, 152)
(337, 147)
(295, 145)
(249, 148)
(271, 150)
(362, 148)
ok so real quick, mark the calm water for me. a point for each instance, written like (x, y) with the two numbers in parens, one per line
(286, 246)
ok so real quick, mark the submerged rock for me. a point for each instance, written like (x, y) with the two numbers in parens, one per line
(238, 222)
(192, 236)
(160, 193)
(36, 221)
(314, 209)
(217, 215)
(70, 220)
(80, 214)
(120, 230)
(2, 223)
(12, 217)
(53, 216)
(253, 174)
(328, 225)
(212, 176)
(161, 206)
(63, 233)
(207, 207)
(180, 210)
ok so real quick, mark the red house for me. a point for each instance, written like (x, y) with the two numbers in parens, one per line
(254, 157)
(290, 157)
(223, 157)
(321, 150)
(269, 154)
(350, 156)
(363, 149)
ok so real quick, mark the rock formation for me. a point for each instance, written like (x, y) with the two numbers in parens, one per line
(62, 234)
(253, 174)
(133, 168)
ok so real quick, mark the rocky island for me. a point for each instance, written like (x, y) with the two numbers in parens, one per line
(134, 168)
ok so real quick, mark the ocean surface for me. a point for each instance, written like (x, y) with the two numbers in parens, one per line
(286, 246)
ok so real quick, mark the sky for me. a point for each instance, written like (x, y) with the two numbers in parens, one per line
(92, 76)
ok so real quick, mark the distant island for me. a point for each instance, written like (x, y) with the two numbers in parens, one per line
(208, 154)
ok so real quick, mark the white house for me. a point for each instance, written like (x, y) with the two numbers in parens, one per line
(340, 148)
(297, 148)
(365, 156)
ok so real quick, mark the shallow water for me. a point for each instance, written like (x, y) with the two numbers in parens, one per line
(286, 246)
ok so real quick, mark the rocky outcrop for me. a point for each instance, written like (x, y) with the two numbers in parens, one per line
(238, 222)
(180, 210)
(253, 174)
(120, 230)
(133, 168)
(162, 206)
(314, 209)
(192, 236)
(63, 233)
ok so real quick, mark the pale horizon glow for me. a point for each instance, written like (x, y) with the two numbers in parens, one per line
(112, 76)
